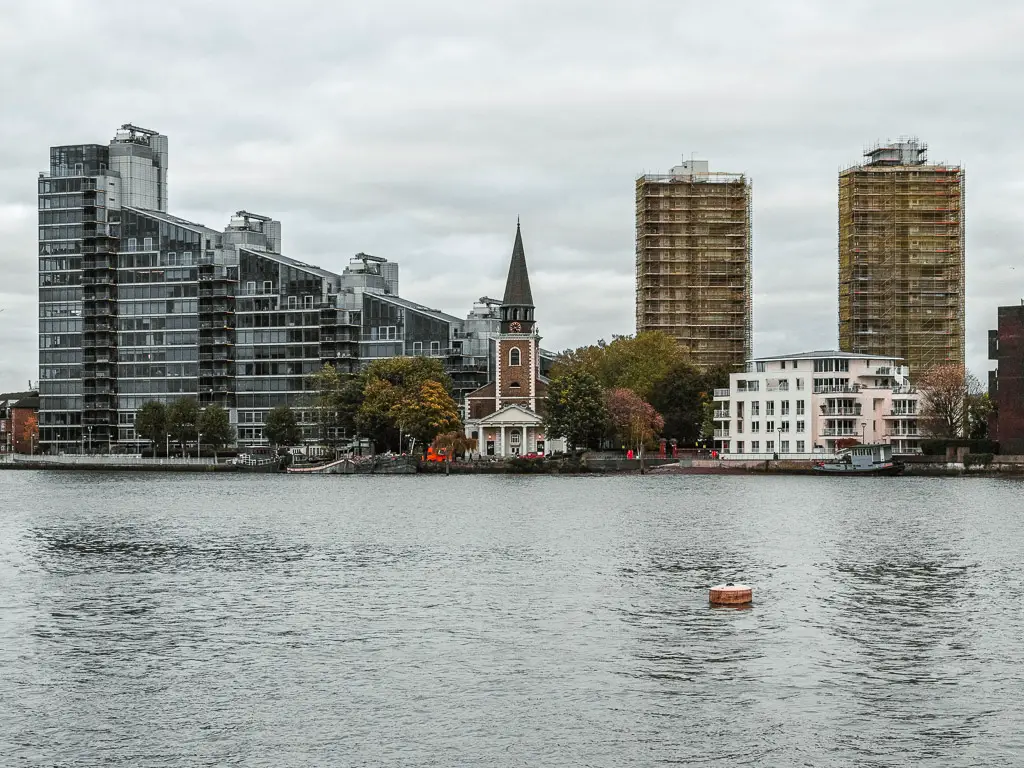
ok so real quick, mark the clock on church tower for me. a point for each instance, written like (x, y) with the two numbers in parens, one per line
(517, 304)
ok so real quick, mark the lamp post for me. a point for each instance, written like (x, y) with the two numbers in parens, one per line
(168, 454)
(863, 431)
(89, 428)
(778, 443)
(199, 445)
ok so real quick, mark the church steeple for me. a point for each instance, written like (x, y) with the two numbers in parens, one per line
(517, 304)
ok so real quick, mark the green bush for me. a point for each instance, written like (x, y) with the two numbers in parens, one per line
(938, 446)
(521, 464)
(977, 459)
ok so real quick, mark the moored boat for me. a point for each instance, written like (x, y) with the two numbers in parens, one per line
(873, 459)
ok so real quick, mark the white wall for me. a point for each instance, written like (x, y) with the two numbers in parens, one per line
(817, 402)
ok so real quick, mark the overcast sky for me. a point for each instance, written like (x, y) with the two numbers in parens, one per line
(418, 131)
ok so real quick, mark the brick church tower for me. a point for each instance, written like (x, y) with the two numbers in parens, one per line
(504, 416)
(517, 365)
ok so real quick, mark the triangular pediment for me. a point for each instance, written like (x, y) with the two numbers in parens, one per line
(512, 414)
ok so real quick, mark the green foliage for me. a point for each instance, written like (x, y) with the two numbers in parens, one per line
(684, 398)
(659, 371)
(336, 400)
(215, 426)
(282, 428)
(526, 466)
(183, 419)
(638, 363)
(408, 372)
(151, 423)
(978, 459)
(938, 446)
(575, 409)
(979, 408)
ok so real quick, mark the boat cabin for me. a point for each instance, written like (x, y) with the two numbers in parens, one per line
(867, 455)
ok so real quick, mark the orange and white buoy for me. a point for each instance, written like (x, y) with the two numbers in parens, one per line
(731, 594)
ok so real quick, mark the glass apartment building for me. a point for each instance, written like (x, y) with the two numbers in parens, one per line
(138, 305)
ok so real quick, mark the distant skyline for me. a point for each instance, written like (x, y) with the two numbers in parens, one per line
(419, 132)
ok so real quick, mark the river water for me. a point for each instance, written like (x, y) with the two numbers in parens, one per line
(190, 620)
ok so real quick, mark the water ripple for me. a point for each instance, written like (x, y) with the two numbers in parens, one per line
(265, 621)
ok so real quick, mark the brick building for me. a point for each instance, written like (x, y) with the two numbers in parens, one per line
(19, 410)
(1006, 382)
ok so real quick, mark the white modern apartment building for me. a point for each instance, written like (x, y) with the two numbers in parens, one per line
(800, 405)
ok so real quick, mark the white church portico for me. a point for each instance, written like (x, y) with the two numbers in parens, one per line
(512, 431)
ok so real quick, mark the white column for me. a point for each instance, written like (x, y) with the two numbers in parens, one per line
(481, 441)
(502, 444)
(525, 448)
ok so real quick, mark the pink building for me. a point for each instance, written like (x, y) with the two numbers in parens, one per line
(800, 405)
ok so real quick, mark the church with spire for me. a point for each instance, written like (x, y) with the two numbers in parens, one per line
(505, 416)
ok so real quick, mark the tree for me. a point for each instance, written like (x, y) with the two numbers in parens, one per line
(30, 431)
(634, 420)
(575, 409)
(151, 423)
(639, 363)
(281, 427)
(330, 388)
(450, 444)
(182, 420)
(684, 398)
(426, 412)
(392, 387)
(946, 394)
(374, 416)
(348, 401)
(215, 424)
(980, 408)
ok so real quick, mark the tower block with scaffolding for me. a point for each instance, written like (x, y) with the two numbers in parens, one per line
(693, 261)
(901, 257)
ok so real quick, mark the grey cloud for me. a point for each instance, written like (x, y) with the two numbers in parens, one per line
(420, 131)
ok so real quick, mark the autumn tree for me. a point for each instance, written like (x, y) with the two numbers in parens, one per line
(451, 444)
(30, 431)
(151, 423)
(946, 395)
(574, 409)
(633, 419)
(425, 412)
(396, 401)
(281, 427)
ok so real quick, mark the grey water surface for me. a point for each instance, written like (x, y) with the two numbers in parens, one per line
(191, 620)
